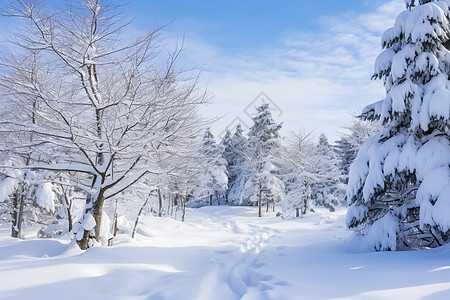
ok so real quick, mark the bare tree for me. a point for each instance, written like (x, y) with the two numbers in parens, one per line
(105, 106)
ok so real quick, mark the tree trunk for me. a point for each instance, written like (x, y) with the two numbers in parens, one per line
(297, 212)
(110, 240)
(94, 203)
(168, 204)
(267, 206)
(69, 216)
(115, 221)
(259, 203)
(20, 215)
(96, 211)
(184, 210)
(210, 200)
(160, 203)
(68, 205)
(218, 199)
(137, 218)
(84, 242)
(304, 207)
(175, 200)
(17, 215)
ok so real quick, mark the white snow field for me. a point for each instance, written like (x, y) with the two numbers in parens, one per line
(223, 253)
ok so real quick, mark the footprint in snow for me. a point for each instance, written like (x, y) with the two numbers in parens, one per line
(281, 283)
(258, 265)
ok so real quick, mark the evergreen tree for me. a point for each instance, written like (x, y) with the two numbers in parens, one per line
(297, 174)
(346, 153)
(328, 189)
(399, 186)
(229, 155)
(213, 178)
(347, 147)
(239, 165)
(263, 185)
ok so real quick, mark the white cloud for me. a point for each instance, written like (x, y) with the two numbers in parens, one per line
(315, 77)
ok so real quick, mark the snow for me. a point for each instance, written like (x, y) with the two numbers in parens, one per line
(383, 62)
(399, 61)
(382, 235)
(434, 154)
(7, 187)
(434, 184)
(437, 99)
(417, 28)
(441, 209)
(105, 229)
(45, 196)
(222, 252)
(88, 222)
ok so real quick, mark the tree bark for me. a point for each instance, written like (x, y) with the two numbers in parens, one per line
(137, 218)
(169, 199)
(17, 215)
(210, 200)
(69, 216)
(259, 203)
(84, 242)
(20, 215)
(96, 211)
(160, 203)
(115, 220)
(297, 212)
(184, 209)
(110, 240)
(68, 208)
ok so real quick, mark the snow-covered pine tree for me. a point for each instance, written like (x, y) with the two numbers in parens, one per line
(399, 187)
(263, 185)
(228, 155)
(239, 167)
(328, 189)
(347, 147)
(297, 174)
(346, 153)
(213, 177)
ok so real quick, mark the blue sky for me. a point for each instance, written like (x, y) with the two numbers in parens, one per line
(245, 26)
(314, 59)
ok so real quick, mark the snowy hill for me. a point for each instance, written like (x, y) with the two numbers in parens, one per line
(222, 253)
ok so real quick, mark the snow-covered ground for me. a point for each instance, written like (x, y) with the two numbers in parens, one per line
(222, 253)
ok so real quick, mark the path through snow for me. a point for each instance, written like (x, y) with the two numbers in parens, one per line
(222, 253)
